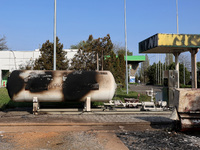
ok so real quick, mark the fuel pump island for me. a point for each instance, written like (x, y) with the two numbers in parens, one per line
(185, 101)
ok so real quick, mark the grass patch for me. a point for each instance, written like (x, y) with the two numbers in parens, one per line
(5, 101)
(185, 86)
(4, 98)
(120, 94)
(133, 83)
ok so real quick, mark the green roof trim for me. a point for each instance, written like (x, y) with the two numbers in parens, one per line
(132, 58)
(135, 58)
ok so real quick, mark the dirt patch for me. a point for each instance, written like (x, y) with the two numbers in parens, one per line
(73, 140)
(32, 140)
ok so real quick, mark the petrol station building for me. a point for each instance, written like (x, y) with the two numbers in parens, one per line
(175, 44)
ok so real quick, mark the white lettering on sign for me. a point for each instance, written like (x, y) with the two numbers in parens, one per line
(149, 43)
(153, 41)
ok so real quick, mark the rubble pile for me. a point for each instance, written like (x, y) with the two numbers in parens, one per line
(165, 140)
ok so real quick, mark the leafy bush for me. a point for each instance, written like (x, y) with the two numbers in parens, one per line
(4, 98)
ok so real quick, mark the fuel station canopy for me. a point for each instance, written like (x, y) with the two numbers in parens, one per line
(175, 44)
(170, 43)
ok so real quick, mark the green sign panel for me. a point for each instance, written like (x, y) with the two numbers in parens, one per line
(3, 83)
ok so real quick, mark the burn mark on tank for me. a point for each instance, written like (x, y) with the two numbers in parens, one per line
(102, 73)
(78, 84)
(15, 83)
(36, 82)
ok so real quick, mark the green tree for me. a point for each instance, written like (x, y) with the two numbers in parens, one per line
(78, 46)
(136, 78)
(86, 57)
(151, 72)
(155, 73)
(198, 74)
(122, 69)
(144, 69)
(140, 75)
(123, 51)
(117, 67)
(3, 45)
(45, 61)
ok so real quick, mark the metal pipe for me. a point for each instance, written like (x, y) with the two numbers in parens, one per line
(14, 59)
(126, 46)
(54, 58)
(177, 15)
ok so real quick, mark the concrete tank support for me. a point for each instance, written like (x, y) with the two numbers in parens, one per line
(193, 67)
(88, 104)
(177, 65)
(36, 106)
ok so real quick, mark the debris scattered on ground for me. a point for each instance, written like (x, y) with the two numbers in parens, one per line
(150, 140)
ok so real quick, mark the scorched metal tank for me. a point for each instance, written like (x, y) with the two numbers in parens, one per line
(57, 86)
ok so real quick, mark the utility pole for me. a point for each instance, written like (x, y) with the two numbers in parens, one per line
(177, 15)
(177, 54)
(126, 46)
(54, 58)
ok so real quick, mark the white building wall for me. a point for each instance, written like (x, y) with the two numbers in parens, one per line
(11, 60)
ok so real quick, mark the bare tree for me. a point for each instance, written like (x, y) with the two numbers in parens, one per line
(3, 45)
(169, 59)
(185, 60)
(119, 49)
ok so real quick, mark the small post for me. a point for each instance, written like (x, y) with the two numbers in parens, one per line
(88, 104)
(35, 106)
(177, 65)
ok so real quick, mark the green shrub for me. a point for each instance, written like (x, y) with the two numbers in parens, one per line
(4, 98)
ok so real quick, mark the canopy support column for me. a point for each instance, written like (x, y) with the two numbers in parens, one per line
(176, 54)
(194, 67)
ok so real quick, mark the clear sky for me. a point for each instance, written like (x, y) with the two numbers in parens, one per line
(29, 23)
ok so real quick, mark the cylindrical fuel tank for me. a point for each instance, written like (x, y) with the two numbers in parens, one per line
(57, 86)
